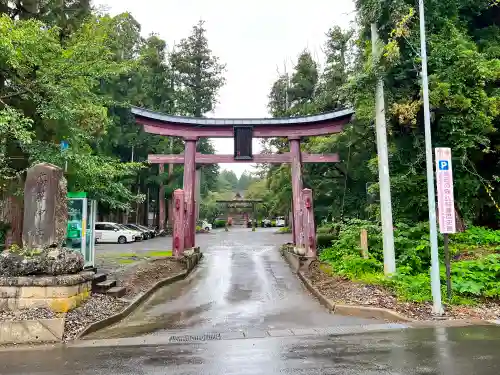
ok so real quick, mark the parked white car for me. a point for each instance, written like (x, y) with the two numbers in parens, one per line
(113, 232)
(280, 221)
(205, 225)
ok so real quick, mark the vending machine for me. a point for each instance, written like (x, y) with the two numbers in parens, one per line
(81, 221)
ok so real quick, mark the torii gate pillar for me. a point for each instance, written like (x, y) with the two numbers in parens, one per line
(189, 191)
(298, 231)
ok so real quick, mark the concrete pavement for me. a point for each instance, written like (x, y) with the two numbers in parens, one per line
(242, 284)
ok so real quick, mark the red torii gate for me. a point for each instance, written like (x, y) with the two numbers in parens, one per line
(242, 130)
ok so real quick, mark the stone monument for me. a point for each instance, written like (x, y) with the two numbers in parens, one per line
(43, 273)
(45, 207)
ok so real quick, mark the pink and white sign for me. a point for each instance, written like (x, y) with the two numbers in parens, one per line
(446, 202)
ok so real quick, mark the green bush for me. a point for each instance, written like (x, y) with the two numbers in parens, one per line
(219, 223)
(328, 229)
(273, 223)
(470, 278)
(480, 277)
(324, 241)
(477, 236)
(284, 230)
(348, 241)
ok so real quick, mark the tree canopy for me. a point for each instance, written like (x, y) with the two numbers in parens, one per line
(70, 73)
(464, 66)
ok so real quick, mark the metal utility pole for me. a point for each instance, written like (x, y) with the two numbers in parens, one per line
(383, 166)
(437, 307)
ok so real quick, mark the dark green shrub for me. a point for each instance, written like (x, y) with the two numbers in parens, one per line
(219, 223)
(324, 241)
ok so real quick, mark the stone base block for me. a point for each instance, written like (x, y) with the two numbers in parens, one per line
(58, 293)
(298, 262)
(31, 331)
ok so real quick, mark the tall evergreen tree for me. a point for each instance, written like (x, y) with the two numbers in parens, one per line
(198, 77)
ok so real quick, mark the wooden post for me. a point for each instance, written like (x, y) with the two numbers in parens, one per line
(364, 243)
(197, 191)
(189, 187)
(308, 223)
(297, 192)
(169, 201)
(178, 223)
(161, 199)
(254, 218)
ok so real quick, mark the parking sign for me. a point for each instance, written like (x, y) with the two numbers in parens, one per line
(446, 201)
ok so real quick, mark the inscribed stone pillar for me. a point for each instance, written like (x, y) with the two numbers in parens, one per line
(308, 223)
(178, 222)
(45, 207)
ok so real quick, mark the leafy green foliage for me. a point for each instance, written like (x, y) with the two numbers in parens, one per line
(70, 73)
(219, 223)
(470, 278)
(477, 277)
(463, 49)
(477, 236)
(325, 240)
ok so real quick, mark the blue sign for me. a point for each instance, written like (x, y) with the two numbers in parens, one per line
(64, 145)
(444, 165)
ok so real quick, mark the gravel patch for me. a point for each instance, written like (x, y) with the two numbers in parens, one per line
(97, 307)
(31, 314)
(145, 275)
(347, 292)
(136, 278)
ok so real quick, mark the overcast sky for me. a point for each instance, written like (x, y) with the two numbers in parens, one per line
(254, 38)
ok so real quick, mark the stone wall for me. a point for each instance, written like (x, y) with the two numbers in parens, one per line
(58, 293)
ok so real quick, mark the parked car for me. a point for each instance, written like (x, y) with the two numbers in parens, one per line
(151, 231)
(138, 235)
(144, 233)
(203, 224)
(266, 223)
(280, 221)
(111, 232)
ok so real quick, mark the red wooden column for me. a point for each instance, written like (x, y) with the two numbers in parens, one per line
(161, 199)
(296, 191)
(308, 222)
(189, 190)
(169, 201)
(178, 223)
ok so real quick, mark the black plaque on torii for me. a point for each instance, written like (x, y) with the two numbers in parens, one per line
(243, 142)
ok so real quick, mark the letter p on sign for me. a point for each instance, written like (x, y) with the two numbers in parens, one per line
(443, 165)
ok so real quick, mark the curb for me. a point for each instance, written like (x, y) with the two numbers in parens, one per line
(110, 320)
(346, 310)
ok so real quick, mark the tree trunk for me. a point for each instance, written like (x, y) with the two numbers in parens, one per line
(11, 215)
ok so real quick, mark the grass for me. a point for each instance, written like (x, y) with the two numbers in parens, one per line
(159, 253)
(147, 254)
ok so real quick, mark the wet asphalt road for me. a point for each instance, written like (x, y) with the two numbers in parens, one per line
(244, 312)
(242, 284)
(451, 351)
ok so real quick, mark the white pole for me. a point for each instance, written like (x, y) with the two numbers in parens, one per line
(383, 167)
(437, 307)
